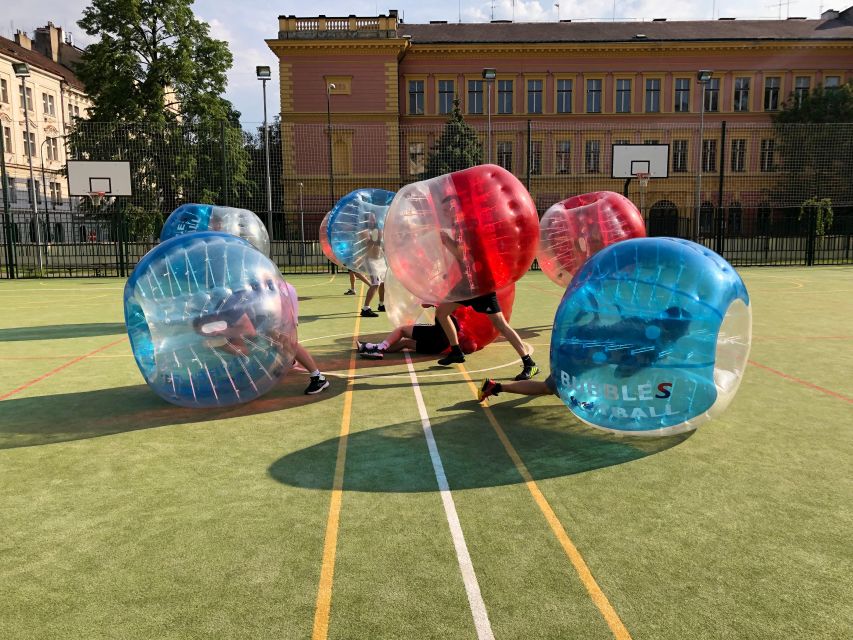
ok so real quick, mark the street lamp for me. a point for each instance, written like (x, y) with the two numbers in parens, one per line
(264, 74)
(489, 76)
(22, 71)
(329, 88)
(44, 191)
(703, 77)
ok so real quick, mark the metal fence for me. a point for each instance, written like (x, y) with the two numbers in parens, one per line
(746, 202)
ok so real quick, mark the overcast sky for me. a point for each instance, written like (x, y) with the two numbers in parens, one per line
(246, 23)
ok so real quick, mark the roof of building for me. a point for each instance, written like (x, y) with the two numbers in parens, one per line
(16, 51)
(840, 28)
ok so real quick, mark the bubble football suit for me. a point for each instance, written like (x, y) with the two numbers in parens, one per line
(461, 235)
(189, 218)
(356, 224)
(210, 319)
(652, 337)
(573, 230)
(325, 243)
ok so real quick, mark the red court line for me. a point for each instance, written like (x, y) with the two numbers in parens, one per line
(835, 394)
(26, 385)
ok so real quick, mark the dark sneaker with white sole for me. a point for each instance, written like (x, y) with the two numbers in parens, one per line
(369, 313)
(527, 372)
(489, 388)
(317, 384)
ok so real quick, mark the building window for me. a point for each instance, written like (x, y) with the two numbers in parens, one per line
(504, 96)
(30, 185)
(802, 84)
(741, 94)
(535, 157)
(592, 156)
(564, 156)
(30, 149)
(4, 91)
(771, 94)
(712, 95)
(623, 95)
(679, 156)
(7, 139)
(74, 111)
(534, 96)
(682, 95)
(738, 155)
(652, 95)
(446, 93)
(416, 97)
(709, 155)
(56, 193)
(52, 149)
(593, 96)
(564, 96)
(30, 105)
(475, 96)
(832, 82)
(505, 155)
(416, 158)
(768, 150)
(48, 104)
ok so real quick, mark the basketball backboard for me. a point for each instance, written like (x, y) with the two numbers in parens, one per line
(632, 159)
(91, 176)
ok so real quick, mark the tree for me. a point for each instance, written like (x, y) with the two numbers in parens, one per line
(457, 148)
(156, 78)
(814, 143)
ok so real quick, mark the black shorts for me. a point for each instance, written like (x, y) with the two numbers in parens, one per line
(429, 338)
(551, 383)
(487, 304)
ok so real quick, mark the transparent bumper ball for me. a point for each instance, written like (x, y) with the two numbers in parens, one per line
(189, 218)
(356, 226)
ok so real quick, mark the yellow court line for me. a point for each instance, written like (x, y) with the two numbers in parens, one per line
(607, 611)
(330, 545)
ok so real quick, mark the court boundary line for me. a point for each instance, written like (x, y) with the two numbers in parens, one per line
(463, 557)
(323, 605)
(74, 361)
(614, 622)
(799, 381)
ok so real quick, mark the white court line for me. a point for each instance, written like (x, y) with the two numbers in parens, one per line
(469, 577)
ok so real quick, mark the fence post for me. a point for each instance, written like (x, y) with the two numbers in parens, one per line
(812, 235)
(224, 158)
(529, 150)
(7, 216)
(720, 219)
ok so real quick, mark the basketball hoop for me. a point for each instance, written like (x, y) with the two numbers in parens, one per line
(96, 197)
(643, 178)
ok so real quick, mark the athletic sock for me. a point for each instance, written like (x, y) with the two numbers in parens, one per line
(528, 361)
(365, 308)
(382, 346)
(316, 373)
(498, 388)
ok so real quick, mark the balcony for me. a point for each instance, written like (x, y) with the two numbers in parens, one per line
(348, 28)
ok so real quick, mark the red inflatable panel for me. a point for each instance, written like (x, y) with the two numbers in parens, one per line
(461, 235)
(475, 329)
(573, 230)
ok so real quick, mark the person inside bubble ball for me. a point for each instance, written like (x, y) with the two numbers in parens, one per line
(421, 338)
(241, 320)
(640, 344)
(486, 304)
(370, 237)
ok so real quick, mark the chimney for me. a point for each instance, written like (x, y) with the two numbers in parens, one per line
(47, 41)
(829, 14)
(23, 40)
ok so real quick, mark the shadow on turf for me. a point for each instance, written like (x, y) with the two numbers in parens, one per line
(61, 331)
(395, 459)
(40, 420)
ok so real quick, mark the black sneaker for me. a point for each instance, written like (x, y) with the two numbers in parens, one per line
(489, 388)
(381, 307)
(317, 384)
(527, 372)
(349, 292)
(452, 358)
(371, 354)
(369, 313)
(361, 347)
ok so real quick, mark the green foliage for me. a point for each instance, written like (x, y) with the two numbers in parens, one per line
(822, 210)
(156, 79)
(814, 144)
(457, 148)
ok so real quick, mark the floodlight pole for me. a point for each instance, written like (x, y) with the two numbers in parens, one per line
(44, 191)
(32, 189)
(703, 78)
(329, 88)
(489, 77)
(267, 158)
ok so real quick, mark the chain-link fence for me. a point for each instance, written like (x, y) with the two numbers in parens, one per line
(751, 192)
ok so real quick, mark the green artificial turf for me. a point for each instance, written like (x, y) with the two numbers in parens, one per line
(124, 517)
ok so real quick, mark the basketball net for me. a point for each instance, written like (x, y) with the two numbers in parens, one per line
(97, 197)
(643, 178)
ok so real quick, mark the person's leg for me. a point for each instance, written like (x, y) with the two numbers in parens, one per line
(318, 380)
(351, 290)
(366, 310)
(521, 387)
(381, 306)
(529, 368)
(442, 317)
